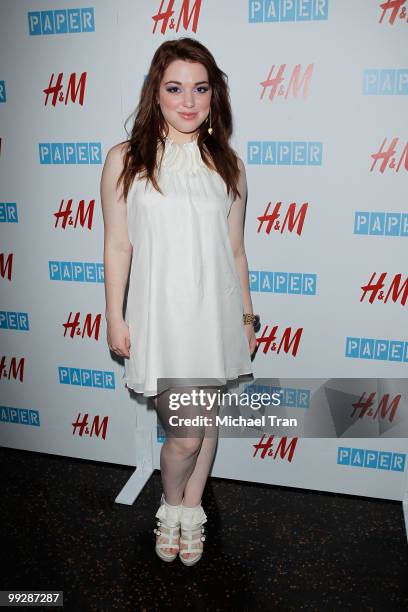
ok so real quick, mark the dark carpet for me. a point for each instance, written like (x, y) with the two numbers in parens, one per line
(267, 547)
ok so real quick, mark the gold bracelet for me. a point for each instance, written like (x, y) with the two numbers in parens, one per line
(248, 318)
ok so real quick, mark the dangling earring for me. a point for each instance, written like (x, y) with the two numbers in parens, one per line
(210, 130)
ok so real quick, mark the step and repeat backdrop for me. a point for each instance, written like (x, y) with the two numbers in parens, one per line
(318, 91)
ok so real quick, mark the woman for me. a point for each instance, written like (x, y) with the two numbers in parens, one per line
(179, 225)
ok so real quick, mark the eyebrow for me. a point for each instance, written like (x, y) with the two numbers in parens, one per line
(178, 82)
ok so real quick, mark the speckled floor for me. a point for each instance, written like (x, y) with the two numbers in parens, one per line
(267, 547)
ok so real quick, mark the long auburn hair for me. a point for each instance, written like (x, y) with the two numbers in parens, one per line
(150, 126)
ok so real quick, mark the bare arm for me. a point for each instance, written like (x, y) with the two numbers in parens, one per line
(117, 247)
(236, 234)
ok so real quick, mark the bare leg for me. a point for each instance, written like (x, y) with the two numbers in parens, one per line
(196, 483)
(178, 455)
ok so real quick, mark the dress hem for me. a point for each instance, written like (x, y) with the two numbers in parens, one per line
(136, 386)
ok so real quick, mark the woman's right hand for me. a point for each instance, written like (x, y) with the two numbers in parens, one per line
(118, 337)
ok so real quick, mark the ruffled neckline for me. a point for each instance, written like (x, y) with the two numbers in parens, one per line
(184, 156)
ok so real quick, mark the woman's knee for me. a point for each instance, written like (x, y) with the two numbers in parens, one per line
(187, 447)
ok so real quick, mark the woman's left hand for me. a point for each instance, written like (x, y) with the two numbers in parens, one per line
(250, 333)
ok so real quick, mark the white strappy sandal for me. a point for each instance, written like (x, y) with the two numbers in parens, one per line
(192, 533)
(168, 525)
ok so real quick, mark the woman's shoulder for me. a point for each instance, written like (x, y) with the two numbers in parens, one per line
(116, 154)
(113, 166)
(241, 164)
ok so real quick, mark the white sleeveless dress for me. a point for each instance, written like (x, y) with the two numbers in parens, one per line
(184, 307)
